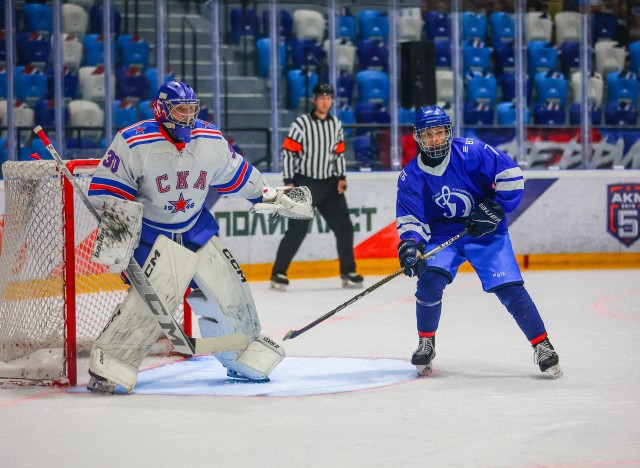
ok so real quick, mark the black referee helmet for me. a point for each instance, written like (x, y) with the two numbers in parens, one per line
(323, 89)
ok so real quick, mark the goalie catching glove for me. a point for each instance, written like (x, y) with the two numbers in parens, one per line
(290, 202)
(118, 233)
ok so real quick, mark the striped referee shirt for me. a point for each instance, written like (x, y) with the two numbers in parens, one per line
(314, 148)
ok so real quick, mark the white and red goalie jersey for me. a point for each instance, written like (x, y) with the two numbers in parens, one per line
(172, 180)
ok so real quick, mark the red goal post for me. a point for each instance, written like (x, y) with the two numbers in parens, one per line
(54, 301)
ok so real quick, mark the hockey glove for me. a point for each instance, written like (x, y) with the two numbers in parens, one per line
(485, 218)
(408, 252)
(290, 202)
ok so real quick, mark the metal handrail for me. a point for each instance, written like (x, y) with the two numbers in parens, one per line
(183, 48)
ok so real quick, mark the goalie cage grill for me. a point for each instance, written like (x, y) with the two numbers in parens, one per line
(54, 301)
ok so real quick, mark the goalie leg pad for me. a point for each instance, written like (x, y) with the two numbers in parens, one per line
(225, 306)
(257, 361)
(224, 300)
(118, 233)
(133, 328)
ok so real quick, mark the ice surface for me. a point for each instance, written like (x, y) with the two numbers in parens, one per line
(485, 404)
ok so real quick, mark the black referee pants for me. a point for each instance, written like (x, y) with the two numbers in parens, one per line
(333, 208)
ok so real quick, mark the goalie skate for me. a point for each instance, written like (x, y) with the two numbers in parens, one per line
(279, 282)
(237, 375)
(99, 385)
(352, 280)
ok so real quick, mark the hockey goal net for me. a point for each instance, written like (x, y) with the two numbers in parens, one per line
(54, 301)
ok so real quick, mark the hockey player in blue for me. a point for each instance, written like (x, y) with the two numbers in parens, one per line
(453, 184)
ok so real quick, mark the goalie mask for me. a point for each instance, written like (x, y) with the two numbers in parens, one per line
(432, 131)
(176, 107)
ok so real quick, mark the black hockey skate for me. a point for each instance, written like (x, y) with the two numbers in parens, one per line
(279, 281)
(545, 356)
(352, 280)
(99, 384)
(423, 356)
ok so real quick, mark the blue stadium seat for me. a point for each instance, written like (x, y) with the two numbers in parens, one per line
(296, 86)
(508, 86)
(507, 114)
(264, 56)
(134, 51)
(145, 108)
(124, 113)
(31, 84)
(474, 26)
(620, 113)
(475, 57)
(285, 24)
(634, 57)
(548, 113)
(94, 50)
(347, 28)
(594, 111)
(305, 52)
(38, 147)
(95, 20)
(151, 75)
(3, 151)
(37, 17)
(623, 86)
(373, 86)
(3, 82)
(477, 113)
(481, 87)
(372, 54)
(242, 24)
(542, 56)
(34, 48)
(406, 117)
(569, 56)
(436, 26)
(504, 57)
(605, 26)
(70, 83)
(348, 117)
(81, 143)
(346, 84)
(551, 86)
(373, 24)
(443, 54)
(362, 150)
(502, 28)
(372, 113)
(3, 49)
(45, 112)
(130, 83)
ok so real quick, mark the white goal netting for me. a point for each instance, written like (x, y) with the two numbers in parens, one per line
(53, 299)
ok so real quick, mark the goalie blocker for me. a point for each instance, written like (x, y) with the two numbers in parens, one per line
(224, 303)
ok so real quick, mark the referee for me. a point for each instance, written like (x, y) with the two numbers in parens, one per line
(313, 155)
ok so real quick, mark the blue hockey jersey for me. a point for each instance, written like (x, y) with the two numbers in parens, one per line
(434, 202)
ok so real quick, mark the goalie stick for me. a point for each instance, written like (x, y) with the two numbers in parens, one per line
(171, 329)
(294, 333)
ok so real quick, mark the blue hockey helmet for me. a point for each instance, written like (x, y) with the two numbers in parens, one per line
(431, 143)
(176, 107)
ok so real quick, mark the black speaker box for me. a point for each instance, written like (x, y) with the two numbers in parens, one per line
(417, 74)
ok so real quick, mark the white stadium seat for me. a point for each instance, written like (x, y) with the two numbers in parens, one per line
(308, 24)
(410, 25)
(91, 83)
(72, 50)
(87, 114)
(23, 115)
(345, 54)
(595, 89)
(610, 57)
(444, 85)
(538, 26)
(567, 26)
(75, 19)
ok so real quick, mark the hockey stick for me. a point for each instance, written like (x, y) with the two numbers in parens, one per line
(294, 333)
(139, 280)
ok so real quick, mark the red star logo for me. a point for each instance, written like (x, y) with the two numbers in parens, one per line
(180, 205)
(139, 130)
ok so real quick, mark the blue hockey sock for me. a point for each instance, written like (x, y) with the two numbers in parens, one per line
(431, 284)
(519, 304)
